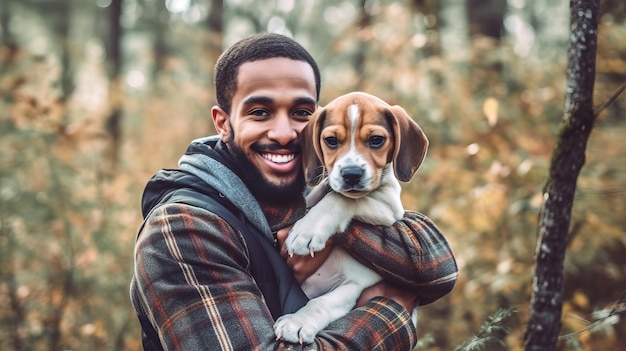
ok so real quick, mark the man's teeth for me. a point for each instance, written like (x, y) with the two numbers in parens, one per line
(279, 158)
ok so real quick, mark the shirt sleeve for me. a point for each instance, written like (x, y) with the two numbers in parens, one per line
(192, 283)
(412, 253)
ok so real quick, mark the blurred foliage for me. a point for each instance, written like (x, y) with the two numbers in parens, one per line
(489, 103)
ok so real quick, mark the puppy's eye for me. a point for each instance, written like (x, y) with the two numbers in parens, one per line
(376, 141)
(332, 142)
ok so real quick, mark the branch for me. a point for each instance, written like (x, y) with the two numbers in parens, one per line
(603, 317)
(603, 106)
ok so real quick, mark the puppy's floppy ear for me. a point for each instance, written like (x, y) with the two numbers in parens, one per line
(411, 143)
(312, 158)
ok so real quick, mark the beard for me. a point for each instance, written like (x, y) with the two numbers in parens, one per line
(261, 187)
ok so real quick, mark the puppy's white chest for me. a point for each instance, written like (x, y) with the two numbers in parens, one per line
(340, 268)
(328, 277)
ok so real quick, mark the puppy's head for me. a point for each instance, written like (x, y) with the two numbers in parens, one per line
(354, 138)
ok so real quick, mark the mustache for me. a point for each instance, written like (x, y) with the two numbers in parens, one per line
(292, 146)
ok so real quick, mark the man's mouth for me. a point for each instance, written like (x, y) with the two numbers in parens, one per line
(278, 158)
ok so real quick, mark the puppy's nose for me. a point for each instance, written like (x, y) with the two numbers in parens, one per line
(351, 175)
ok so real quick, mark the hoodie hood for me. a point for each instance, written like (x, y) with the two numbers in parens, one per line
(204, 168)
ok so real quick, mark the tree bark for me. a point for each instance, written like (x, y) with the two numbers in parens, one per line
(215, 28)
(364, 30)
(113, 122)
(5, 23)
(567, 160)
(62, 19)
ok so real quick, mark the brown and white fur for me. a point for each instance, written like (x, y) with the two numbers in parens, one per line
(355, 149)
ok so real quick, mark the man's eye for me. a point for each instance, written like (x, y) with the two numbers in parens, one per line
(376, 141)
(332, 142)
(302, 114)
(258, 113)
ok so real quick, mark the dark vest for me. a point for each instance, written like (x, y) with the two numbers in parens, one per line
(281, 291)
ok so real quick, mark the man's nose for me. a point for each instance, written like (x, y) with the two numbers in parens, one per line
(283, 130)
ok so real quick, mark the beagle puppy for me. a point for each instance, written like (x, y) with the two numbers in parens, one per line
(355, 150)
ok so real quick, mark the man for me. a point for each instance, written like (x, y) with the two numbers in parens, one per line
(198, 283)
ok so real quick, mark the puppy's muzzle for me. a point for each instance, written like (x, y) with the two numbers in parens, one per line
(351, 175)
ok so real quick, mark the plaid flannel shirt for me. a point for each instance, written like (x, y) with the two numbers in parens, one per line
(192, 282)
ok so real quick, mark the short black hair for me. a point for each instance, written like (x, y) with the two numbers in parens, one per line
(256, 47)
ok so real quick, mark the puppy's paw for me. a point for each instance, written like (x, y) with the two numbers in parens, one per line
(292, 329)
(306, 238)
(304, 243)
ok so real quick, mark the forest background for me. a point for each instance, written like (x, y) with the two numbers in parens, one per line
(96, 96)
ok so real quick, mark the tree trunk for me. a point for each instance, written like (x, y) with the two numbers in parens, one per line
(364, 32)
(486, 18)
(215, 22)
(158, 30)
(215, 29)
(7, 39)
(114, 55)
(567, 160)
(5, 24)
(62, 19)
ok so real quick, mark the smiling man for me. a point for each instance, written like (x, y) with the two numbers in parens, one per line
(208, 274)
(268, 110)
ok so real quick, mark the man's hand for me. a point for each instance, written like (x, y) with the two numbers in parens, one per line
(302, 266)
(406, 299)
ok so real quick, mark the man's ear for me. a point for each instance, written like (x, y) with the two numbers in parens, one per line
(221, 121)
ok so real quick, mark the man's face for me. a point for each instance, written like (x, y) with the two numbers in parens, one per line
(273, 102)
